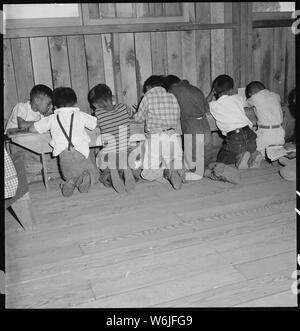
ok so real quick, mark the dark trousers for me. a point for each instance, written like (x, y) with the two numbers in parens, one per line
(194, 126)
(235, 144)
(72, 164)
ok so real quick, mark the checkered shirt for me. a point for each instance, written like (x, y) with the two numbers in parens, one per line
(160, 110)
(11, 178)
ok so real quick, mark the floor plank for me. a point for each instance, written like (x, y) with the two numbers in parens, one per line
(237, 293)
(209, 244)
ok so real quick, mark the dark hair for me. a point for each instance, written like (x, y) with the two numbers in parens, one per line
(170, 80)
(254, 87)
(40, 89)
(99, 92)
(153, 81)
(64, 97)
(222, 83)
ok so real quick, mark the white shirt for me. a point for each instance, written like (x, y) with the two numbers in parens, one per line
(229, 113)
(23, 110)
(267, 107)
(80, 139)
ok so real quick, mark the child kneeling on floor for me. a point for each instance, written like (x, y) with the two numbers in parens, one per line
(269, 115)
(239, 145)
(160, 111)
(114, 123)
(70, 141)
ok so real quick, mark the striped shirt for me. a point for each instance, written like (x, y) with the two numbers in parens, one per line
(160, 110)
(114, 127)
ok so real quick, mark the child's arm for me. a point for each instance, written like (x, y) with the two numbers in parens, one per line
(211, 95)
(141, 114)
(90, 122)
(31, 128)
(41, 126)
(22, 124)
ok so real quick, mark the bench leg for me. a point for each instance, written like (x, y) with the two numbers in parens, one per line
(22, 211)
(44, 170)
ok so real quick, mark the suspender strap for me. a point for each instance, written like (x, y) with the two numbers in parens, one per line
(69, 138)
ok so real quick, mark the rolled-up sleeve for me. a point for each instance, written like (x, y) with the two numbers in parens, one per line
(141, 114)
(44, 124)
(90, 122)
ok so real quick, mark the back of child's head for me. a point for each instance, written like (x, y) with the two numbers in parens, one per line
(254, 87)
(153, 81)
(222, 84)
(170, 80)
(100, 92)
(64, 97)
(40, 90)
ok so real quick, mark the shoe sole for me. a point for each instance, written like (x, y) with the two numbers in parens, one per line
(129, 180)
(256, 162)
(68, 188)
(243, 164)
(175, 180)
(86, 182)
(117, 183)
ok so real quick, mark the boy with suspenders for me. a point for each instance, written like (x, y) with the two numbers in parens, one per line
(70, 141)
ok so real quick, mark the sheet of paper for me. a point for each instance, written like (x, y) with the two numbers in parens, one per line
(241, 92)
(276, 152)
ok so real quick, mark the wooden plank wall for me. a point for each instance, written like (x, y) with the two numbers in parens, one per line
(274, 59)
(124, 60)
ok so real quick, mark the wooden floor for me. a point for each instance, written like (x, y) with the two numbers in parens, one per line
(212, 244)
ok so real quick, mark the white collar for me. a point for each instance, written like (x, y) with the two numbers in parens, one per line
(66, 109)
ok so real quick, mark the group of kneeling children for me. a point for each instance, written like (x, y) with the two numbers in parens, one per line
(171, 109)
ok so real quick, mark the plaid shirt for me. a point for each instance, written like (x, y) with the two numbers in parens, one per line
(160, 110)
(11, 178)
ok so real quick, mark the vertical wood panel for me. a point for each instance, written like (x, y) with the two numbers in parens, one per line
(227, 12)
(203, 60)
(125, 9)
(143, 60)
(108, 61)
(94, 59)
(202, 12)
(256, 53)
(117, 67)
(291, 63)
(189, 56)
(228, 52)
(10, 88)
(93, 10)
(267, 53)
(263, 56)
(107, 9)
(228, 41)
(159, 53)
(246, 43)
(78, 70)
(59, 61)
(127, 64)
(173, 8)
(174, 53)
(159, 9)
(236, 46)
(279, 61)
(217, 41)
(41, 61)
(23, 67)
(217, 53)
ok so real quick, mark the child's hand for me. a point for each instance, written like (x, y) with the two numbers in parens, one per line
(132, 110)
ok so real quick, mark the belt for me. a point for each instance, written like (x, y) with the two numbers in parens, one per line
(159, 131)
(237, 130)
(269, 126)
